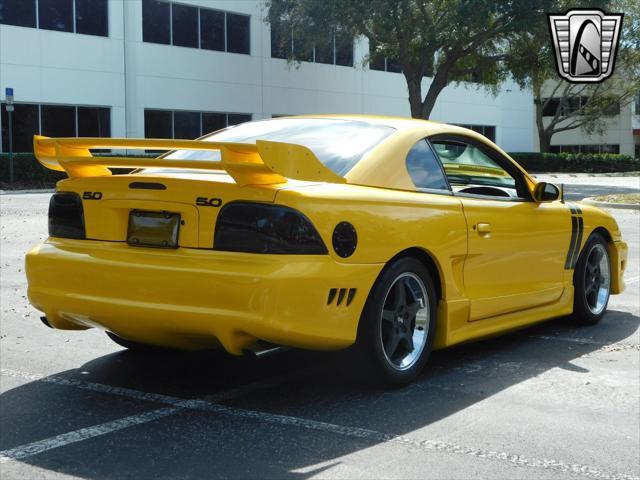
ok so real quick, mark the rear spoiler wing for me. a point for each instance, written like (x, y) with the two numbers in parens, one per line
(264, 163)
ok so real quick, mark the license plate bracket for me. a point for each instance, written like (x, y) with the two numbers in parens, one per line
(153, 229)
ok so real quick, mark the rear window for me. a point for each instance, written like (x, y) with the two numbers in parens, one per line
(338, 144)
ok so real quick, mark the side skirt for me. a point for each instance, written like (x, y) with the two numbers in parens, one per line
(452, 331)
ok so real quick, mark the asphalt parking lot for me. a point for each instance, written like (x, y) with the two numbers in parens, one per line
(552, 401)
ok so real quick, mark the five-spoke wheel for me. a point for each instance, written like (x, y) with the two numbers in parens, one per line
(405, 321)
(597, 278)
(592, 281)
(397, 325)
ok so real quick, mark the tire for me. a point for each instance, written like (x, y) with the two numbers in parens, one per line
(591, 282)
(396, 332)
(136, 347)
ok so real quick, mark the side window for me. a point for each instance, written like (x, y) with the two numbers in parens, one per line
(424, 169)
(471, 171)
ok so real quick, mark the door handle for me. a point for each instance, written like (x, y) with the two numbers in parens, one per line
(483, 228)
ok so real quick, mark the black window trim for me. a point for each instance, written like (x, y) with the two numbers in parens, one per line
(334, 33)
(226, 31)
(74, 21)
(39, 106)
(199, 9)
(494, 155)
(202, 134)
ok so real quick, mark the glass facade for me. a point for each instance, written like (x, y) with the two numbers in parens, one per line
(335, 49)
(488, 131)
(190, 26)
(188, 124)
(31, 119)
(88, 17)
(377, 61)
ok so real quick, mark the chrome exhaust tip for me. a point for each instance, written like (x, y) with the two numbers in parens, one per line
(262, 349)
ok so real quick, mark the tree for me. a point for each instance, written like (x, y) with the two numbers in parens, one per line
(446, 40)
(561, 106)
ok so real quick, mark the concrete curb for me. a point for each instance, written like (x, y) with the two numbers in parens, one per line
(20, 192)
(621, 206)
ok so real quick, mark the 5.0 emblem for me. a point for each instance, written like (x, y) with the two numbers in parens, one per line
(92, 195)
(208, 202)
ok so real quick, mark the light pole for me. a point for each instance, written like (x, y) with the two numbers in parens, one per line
(9, 98)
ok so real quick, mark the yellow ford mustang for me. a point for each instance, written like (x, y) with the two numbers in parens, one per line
(386, 236)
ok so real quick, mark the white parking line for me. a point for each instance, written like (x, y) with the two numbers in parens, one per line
(351, 432)
(632, 280)
(113, 426)
(64, 439)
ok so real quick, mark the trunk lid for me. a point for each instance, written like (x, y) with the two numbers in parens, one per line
(198, 197)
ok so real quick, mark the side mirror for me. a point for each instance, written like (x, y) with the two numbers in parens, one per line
(546, 192)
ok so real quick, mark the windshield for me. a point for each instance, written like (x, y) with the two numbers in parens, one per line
(339, 144)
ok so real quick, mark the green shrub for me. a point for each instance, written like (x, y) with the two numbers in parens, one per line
(28, 173)
(576, 162)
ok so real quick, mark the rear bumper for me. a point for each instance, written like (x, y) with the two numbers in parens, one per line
(618, 254)
(190, 298)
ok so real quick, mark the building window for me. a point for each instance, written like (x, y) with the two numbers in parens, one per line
(590, 149)
(212, 122)
(324, 50)
(184, 25)
(584, 149)
(335, 49)
(89, 17)
(572, 105)
(609, 148)
(281, 42)
(488, 131)
(21, 13)
(170, 23)
(637, 149)
(158, 124)
(155, 22)
(550, 107)
(53, 121)
(237, 33)
(94, 122)
(56, 15)
(638, 104)
(58, 121)
(377, 61)
(25, 125)
(188, 125)
(212, 30)
(612, 110)
(344, 49)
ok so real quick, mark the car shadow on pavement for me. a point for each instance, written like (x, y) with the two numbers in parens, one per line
(197, 444)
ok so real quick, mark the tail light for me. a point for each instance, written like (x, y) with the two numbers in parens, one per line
(66, 216)
(262, 228)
